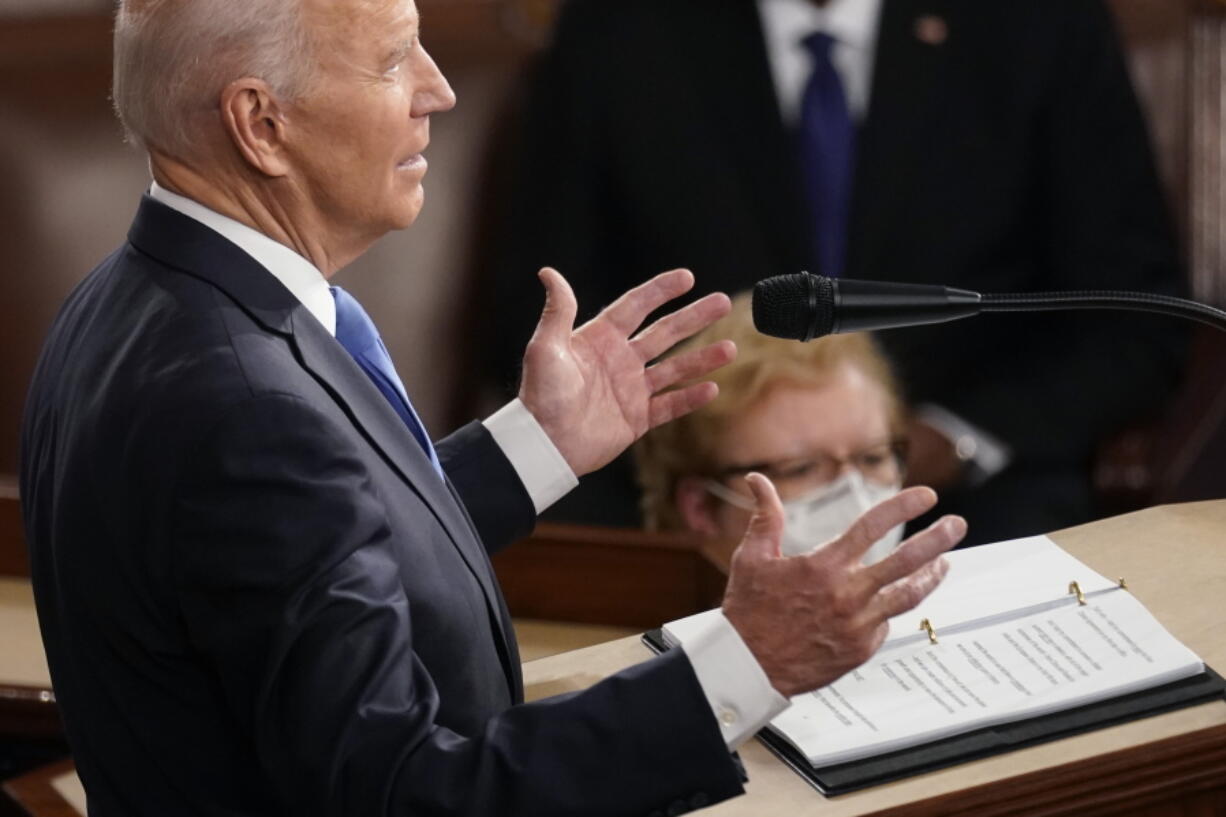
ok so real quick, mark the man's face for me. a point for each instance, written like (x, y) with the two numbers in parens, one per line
(356, 139)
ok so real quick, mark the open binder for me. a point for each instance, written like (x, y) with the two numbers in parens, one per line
(928, 757)
(982, 603)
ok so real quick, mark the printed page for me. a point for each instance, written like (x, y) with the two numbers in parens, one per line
(989, 582)
(1055, 659)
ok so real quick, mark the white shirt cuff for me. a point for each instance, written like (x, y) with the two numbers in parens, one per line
(540, 465)
(971, 443)
(741, 697)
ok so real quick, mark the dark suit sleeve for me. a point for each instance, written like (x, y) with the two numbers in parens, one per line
(474, 463)
(291, 596)
(1101, 223)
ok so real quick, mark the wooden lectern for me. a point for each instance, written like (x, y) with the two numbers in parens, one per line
(27, 704)
(1172, 765)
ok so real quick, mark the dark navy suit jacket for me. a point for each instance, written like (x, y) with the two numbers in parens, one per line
(256, 595)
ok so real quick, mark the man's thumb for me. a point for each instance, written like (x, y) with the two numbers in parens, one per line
(558, 316)
(765, 531)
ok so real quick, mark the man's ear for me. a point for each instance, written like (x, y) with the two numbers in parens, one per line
(695, 505)
(255, 122)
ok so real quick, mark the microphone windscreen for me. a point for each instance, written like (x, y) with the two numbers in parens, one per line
(797, 307)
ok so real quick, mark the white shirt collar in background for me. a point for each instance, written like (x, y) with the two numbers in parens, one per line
(853, 23)
(295, 273)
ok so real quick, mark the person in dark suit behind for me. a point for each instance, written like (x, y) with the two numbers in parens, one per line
(996, 146)
(261, 588)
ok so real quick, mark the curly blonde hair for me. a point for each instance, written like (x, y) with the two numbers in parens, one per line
(684, 447)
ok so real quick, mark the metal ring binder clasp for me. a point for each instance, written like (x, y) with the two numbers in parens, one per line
(927, 627)
(1075, 589)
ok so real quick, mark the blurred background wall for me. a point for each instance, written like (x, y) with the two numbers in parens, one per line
(69, 185)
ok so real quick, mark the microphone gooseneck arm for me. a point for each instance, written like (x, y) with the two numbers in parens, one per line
(1096, 299)
(805, 306)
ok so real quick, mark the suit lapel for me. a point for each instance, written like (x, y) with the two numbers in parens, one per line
(893, 141)
(184, 244)
(336, 371)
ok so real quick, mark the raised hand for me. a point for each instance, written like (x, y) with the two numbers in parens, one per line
(592, 389)
(810, 619)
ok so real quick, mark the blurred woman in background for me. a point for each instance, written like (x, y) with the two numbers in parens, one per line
(822, 420)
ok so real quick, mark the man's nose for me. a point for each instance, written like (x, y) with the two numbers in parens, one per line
(435, 94)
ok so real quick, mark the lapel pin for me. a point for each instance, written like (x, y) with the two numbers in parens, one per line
(931, 30)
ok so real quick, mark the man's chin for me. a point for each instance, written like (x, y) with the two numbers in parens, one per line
(408, 210)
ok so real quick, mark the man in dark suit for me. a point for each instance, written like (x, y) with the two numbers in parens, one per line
(997, 147)
(261, 587)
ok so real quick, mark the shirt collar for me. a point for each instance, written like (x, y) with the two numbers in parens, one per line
(304, 281)
(851, 22)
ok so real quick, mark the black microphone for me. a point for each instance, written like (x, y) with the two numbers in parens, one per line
(805, 306)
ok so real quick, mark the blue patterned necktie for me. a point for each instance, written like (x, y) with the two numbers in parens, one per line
(827, 146)
(357, 333)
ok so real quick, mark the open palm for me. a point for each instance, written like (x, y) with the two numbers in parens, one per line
(594, 389)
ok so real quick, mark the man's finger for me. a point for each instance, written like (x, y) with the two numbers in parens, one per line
(905, 594)
(558, 317)
(670, 330)
(765, 532)
(923, 547)
(879, 519)
(629, 311)
(693, 364)
(670, 405)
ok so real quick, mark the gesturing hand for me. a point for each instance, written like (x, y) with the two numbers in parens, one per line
(592, 390)
(810, 619)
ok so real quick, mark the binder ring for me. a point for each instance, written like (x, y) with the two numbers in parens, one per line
(1075, 589)
(927, 627)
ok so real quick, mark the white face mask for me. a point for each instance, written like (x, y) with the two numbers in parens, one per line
(826, 514)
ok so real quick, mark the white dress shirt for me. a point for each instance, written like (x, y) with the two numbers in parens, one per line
(741, 697)
(852, 24)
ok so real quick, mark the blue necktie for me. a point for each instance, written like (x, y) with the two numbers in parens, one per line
(827, 155)
(357, 333)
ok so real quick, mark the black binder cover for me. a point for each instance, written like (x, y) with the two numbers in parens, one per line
(993, 740)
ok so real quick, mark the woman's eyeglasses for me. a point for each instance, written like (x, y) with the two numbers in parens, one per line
(883, 463)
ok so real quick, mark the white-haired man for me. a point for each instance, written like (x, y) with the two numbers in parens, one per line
(262, 589)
